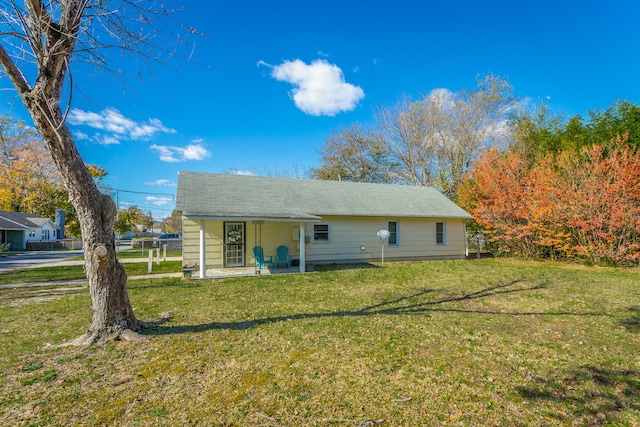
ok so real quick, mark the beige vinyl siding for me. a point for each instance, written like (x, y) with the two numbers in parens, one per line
(274, 234)
(416, 238)
(191, 242)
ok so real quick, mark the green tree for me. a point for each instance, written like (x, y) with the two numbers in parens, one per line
(173, 223)
(620, 119)
(539, 133)
(128, 219)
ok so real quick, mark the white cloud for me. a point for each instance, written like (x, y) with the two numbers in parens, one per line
(81, 136)
(105, 139)
(174, 154)
(116, 126)
(162, 183)
(320, 88)
(165, 153)
(195, 152)
(158, 201)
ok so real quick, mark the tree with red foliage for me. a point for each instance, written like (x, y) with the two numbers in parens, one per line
(583, 204)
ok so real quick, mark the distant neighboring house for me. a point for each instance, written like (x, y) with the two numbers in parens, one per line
(18, 228)
(225, 216)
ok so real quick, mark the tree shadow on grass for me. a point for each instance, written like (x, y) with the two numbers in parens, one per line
(339, 267)
(595, 394)
(416, 303)
(632, 323)
(167, 282)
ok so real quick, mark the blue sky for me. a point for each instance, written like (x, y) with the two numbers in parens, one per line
(274, 79)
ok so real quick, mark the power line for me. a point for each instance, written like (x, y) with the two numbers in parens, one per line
(138, 192)
(160, 209)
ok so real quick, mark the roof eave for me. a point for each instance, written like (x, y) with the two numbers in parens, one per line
(244, 217)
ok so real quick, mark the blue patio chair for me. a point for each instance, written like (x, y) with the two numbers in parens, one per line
(262, 260)
(282, 257)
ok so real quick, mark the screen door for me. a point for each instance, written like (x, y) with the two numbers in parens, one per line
(234, 245)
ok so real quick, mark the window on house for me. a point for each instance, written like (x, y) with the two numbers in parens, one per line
(320, 232)
(441, 233)
(393, 233)
(46, 234)
(32, 233)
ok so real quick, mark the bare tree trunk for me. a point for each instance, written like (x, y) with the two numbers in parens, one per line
(52, 44)
(113, 316)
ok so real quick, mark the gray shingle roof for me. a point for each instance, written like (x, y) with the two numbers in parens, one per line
(20, 220)
(223, 195)
(7, 224)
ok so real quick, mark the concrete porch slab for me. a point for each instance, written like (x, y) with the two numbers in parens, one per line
(219, 273)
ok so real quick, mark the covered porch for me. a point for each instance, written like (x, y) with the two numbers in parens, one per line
(13, 239)
(226, 246)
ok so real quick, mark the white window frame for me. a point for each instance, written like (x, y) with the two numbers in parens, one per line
(396, 232)
(444, 233)
(328, 239)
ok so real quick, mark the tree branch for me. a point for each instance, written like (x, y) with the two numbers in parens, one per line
(14, 73)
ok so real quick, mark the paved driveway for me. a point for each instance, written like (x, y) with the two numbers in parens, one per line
(20, 261)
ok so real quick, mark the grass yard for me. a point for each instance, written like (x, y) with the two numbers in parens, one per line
(489, 342)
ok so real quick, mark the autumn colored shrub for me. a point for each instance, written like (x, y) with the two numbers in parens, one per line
(583, 204)
(602, 206)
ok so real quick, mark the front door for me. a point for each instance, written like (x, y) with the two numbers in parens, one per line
(234, 246)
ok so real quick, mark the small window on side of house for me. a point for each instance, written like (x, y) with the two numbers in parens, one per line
(320, 232)
(393, 229)
(441, 233)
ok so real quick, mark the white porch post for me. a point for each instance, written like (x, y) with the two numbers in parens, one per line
(203, 252)
(466, 240)
(302, 248)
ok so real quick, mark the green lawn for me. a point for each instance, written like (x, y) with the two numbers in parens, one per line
(489, 342)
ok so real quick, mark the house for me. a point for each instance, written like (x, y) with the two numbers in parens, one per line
(225, 216)
(19, 228)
